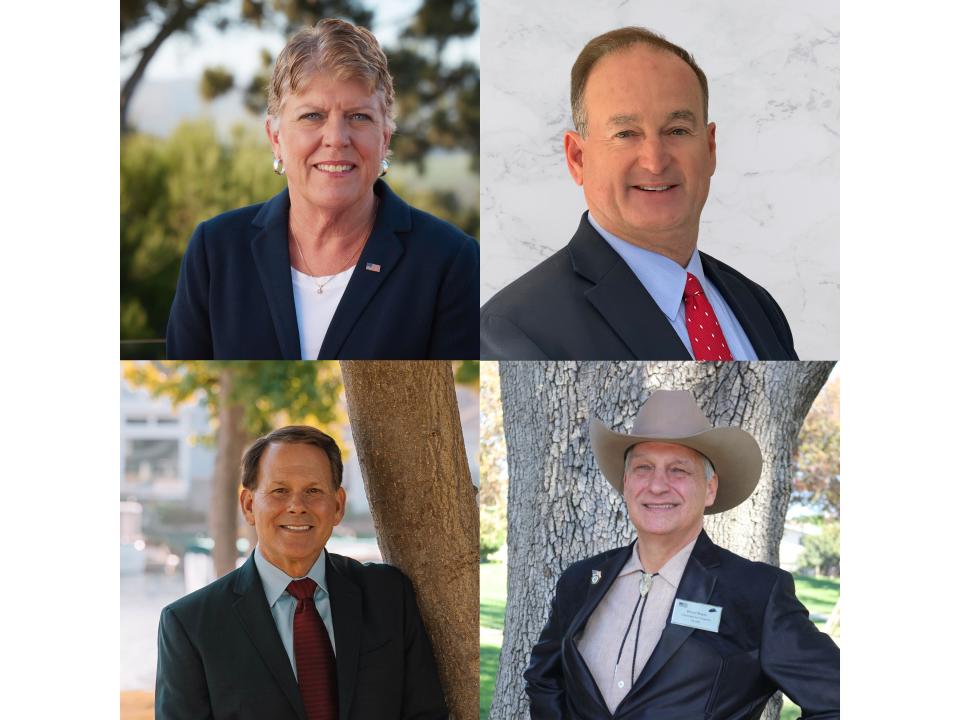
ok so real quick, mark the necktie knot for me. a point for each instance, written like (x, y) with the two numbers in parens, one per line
(302, 589)
(692, 288)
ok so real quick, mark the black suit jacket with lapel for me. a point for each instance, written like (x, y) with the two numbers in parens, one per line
(221, 658)
(234, 298)
(765, 642)
(585, 303)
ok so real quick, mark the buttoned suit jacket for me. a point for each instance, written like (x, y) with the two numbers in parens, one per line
(418, 299)
(765, 642)
(585, 303)
(221, 658)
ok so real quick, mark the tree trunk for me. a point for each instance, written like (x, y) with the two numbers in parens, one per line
(224, 504)
(562, 510)
(407, 432)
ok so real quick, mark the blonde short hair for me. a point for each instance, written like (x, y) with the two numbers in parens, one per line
(349, 51)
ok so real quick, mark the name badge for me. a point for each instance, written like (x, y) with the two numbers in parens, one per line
(698, 616)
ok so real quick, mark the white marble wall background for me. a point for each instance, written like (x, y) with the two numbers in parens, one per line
(774, 74)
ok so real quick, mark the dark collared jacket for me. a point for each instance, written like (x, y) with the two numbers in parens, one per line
(418, 300)
(585, 303)
(765, 642)
(221, 658)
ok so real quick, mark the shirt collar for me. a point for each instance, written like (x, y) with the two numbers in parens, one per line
(275, 580)
(663, 278)
(671, 571)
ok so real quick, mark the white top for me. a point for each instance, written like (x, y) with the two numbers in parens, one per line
(315, 309)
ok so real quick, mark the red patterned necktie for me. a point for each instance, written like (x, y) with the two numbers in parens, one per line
(706, 337)
(316, 664)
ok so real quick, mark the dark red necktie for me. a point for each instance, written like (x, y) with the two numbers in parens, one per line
(316, 664)
(706, 337)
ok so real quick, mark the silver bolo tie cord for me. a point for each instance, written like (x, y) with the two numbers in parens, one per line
(646, 582)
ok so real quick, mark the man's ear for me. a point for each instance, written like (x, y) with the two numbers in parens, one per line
(246, 505)
(573, 150)
(712, 145)
(341, 505)
(711, 495)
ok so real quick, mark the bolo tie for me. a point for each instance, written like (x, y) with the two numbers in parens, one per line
(646, 582)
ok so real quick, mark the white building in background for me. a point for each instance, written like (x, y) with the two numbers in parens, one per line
(791, 544)
(160, 462)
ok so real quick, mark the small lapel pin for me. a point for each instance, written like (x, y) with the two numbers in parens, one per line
(373, 267)
(595, 577)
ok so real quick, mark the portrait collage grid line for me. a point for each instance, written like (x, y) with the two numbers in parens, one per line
(479, 360)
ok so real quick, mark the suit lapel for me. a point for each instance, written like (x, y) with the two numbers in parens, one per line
(745, 307)
(271, 254)
(251, 607)
(345, 602)
(579, 672)
(608, 570)
(696, 585)
(381, 255)
(621, 299)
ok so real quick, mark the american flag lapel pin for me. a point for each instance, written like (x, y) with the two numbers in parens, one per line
(372, 267)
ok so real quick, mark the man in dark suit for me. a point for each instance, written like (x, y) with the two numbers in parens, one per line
(297, 632)
(673, 627)
(631, 284)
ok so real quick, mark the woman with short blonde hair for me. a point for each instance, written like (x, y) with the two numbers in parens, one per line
(336, 265)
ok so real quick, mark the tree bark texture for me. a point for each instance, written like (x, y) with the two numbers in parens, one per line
(224, 497)
(407, 432)
(560, 509)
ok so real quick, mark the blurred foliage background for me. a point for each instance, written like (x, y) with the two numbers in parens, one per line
(168, 184)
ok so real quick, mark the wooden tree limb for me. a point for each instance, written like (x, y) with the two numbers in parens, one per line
(407, 433)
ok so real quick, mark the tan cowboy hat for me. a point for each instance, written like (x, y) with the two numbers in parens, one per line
(673, 416)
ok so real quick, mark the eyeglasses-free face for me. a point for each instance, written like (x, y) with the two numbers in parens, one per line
(294, 506)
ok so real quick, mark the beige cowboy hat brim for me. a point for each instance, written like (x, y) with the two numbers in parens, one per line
(734, 453)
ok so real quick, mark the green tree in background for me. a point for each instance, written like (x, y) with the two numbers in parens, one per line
(492, 497)
(168, 186)
(817, 480)
(438, 106)
(821, 553)
(166, 18)
(245, 400)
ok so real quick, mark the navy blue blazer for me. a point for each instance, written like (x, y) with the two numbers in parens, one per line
(220, 655)
(234, 298)
(765, 642)
(585, 303)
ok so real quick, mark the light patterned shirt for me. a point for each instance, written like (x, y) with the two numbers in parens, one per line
(600, 641)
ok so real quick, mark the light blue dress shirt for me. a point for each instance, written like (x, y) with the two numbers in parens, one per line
(665, 280)
(283, 604)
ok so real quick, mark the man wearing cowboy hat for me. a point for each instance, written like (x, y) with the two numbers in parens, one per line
(673, 627)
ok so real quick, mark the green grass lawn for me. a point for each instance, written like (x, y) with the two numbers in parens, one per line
(818, 594)
(493, 602)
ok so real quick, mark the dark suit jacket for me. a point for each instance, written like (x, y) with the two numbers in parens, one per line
(585, 303)
(234, 298)
(765, 642)
(220, 655)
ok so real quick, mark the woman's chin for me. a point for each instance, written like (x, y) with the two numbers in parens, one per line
(335, 197)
